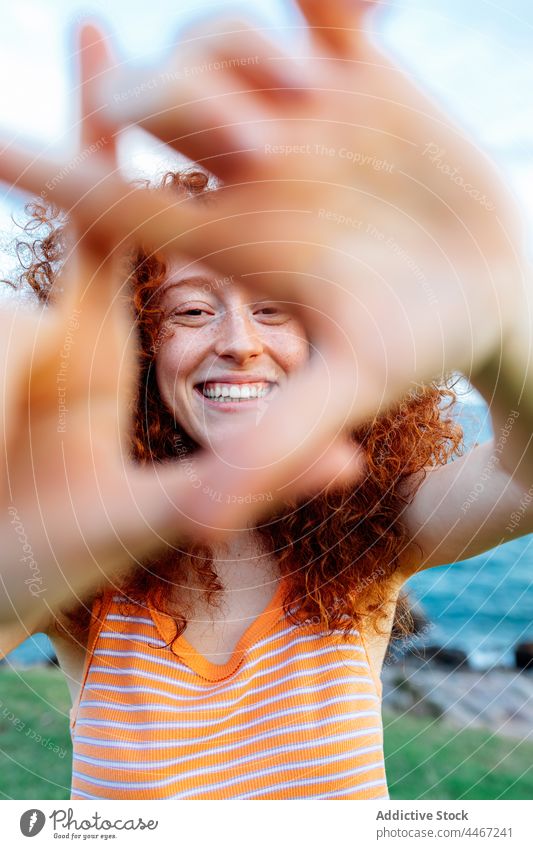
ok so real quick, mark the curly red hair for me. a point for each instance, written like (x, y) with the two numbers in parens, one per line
(346, 544)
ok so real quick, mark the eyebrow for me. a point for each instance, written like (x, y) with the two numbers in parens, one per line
(192, 280)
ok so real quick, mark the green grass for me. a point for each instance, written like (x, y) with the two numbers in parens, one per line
(34, 702)
(425, 759)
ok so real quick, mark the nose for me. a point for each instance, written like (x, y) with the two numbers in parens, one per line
(238, 338)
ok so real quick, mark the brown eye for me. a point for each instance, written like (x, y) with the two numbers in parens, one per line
(271, 314)
(190, 311)
(190, 314)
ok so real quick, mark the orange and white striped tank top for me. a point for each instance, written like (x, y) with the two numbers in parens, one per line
(294, 714)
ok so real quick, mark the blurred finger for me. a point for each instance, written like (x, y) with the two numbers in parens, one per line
(86, 190)
(212, 120)
(19, 326)
(91, 304)
(208, 101)
(95, 59)
(254, 472)
(200, 109)
(107, 208)
(257, 62)
(339, 27)
(243, 231)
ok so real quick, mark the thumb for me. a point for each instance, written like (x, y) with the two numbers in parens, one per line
(342, 464)
(204, 498)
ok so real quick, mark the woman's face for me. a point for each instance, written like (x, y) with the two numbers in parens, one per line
(222, 352)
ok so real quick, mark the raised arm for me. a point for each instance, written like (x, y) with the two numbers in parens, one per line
(484, 498)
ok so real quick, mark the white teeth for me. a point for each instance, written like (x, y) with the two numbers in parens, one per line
(223, 392)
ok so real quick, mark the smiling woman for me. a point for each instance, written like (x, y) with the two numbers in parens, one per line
(220, 354)
(317, 578)
(242, 659)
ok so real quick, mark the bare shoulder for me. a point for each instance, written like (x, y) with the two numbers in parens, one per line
(377, 642)
(462, 509)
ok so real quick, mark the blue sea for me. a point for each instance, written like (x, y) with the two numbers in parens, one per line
(483, 605)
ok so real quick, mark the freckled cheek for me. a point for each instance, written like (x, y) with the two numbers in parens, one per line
(176, 361)
(291, 349)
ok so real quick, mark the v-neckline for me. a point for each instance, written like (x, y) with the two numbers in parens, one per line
(203, 667)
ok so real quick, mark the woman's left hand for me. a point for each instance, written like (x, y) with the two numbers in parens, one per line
(360, 201)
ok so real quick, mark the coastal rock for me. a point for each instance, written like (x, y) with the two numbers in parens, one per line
(451, 658)
(499, 700)
(524, 655)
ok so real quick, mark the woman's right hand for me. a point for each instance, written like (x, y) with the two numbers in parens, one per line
(76, 509)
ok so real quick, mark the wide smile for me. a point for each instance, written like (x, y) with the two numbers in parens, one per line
(226, 395)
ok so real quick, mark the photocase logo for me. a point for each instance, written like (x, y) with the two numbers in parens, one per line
(32, 822)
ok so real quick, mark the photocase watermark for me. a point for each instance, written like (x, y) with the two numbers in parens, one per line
(367, 580)
(388, 241)
(493, 461)
(208, 67)
(357, 157)
(74, 163)
(94, 827)
(401, 254)
(35, 581)
(188, 465)
(18, 723)
(32, 822)
(165, 330)
(339, 218)
(518, 515)
(437, 155)
(95, 822)
(412, 644)
(183, 73)
(364, 583)
(61, 376)
(218, 283)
